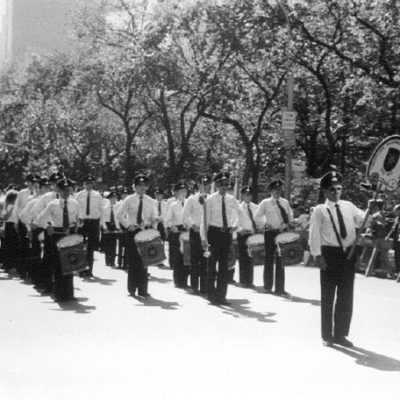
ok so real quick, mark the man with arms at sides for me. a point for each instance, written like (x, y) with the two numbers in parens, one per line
(193, 218)
(174, 224)
(275, 214)
(91, 209)
(136, 213)
(223, 212)
(332, 233)
(249, 227)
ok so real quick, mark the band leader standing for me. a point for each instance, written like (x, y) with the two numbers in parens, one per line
(332, 232)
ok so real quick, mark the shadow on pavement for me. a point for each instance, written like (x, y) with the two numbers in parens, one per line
(238, 309)
(102, 281)
(75, 306)
(160, 280)
(370, 359)
(296, 299)
(152, 302)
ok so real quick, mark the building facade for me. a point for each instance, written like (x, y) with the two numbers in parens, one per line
(34, 26)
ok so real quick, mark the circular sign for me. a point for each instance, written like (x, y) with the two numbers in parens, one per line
(384, 165)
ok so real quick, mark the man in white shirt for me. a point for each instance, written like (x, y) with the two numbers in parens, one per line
(91, 209)
(60, 217)
(174, 224)
(223, 217)
(136, 213)
(45, 281)
(275, 214)
(192, 217)
(249, 227)
(161, 206)
(28, 218)
(24, 195)
(332, 233)
(124, 192)
(111, 229)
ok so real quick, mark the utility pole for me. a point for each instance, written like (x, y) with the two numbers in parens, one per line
(288, 116)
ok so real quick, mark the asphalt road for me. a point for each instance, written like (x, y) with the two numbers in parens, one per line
(177, 346)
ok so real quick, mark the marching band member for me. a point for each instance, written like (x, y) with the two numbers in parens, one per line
(9, 243)
(27, 217)
(332, 233)
(174, 224)
(192, 217)
(111, 227)
(249, 227)
(223, 212)
(123, 192)
(45, 276)
(275, 214)
(137, 212)
(24, 195)
(161, 206)
(91, 209)
(61, 217)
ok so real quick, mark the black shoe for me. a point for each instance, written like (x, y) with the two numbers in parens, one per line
(144, 294)
(282, 294)
(327, 342)
(342, 341)
(268, 291)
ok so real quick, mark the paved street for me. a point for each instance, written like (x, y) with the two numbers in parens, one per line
(178, 346)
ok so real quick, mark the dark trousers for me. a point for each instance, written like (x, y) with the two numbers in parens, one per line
(63, 284)
(35, 256)
(137, 273)
(246, 267)
(10, 246)
(198, 263)
(337, 279)
(121, 259)
(273, 259)
(180, 271)
(22, 265)
(110, 245)
(161, 229)
(90, 231)
(217, 280)
(396, 247)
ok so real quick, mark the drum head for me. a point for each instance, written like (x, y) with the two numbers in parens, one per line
(147, 235)
(69, 241)
(257, 238)
(287, 237)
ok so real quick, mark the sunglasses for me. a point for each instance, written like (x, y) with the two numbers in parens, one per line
(335, 189)
(224, 184)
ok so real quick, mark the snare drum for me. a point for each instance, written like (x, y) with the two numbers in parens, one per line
(290, 246)
(185, 247)
(72, 252)
(150, 247)
(256, 249)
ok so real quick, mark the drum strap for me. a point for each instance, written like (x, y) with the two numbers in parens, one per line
(335, 229)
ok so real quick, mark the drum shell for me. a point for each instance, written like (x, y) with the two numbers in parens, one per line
(151, 251)
(291, 253)
(185, 247)
(73, 259)
(256, 249)
(233, 254)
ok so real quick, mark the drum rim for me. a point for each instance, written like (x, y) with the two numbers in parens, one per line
(295, 236)
(147, 231)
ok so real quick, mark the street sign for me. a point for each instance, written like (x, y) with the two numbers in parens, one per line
(289, 137)
(289, 120)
